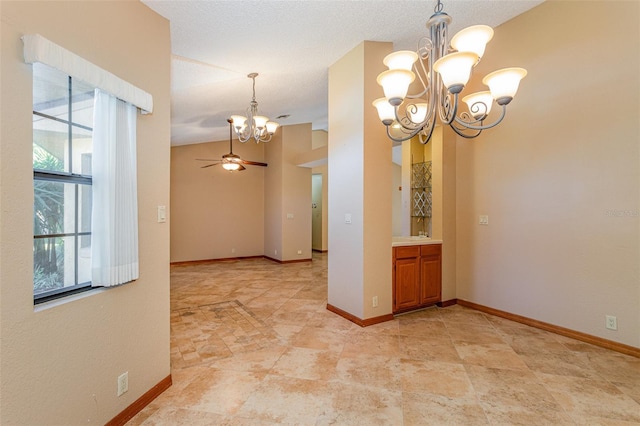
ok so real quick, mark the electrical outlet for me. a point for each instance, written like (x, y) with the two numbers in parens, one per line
(299, 251)
(123, 383)
(611, 322)
(374, 302)
(483, 220)
(233, 250)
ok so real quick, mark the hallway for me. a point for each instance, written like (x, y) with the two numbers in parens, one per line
(253, 344)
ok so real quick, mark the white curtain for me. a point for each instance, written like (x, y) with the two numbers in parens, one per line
(114, 219)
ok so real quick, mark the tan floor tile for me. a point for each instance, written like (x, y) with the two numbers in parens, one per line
(319, 338)
(219, 391)
(420, 327)
(438, 378)
(473, 333)
(179, 416)
(303, 363)
(353, 404)
(497, 355)
(428, 349)
(287, 400)
(426, 409)
(252, 343)
(501, 390)
(373, 344)
(260, 360)
(616, 367)
(502, 415)
(370, 370)
(565, 363)
(595, 398)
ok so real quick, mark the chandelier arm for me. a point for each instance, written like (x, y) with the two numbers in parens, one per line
(243, 135)
(446, 110)
(417, 95)
(401, 139)
(468, 125)
(407, 124)
(425, 137)
(263, 138)
(420, 75)
(460, 131)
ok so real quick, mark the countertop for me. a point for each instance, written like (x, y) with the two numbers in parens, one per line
(413, 241)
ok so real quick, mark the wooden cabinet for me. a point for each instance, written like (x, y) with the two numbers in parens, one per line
(417, 277)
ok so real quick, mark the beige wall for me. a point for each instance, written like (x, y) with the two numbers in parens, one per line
(60, 363)
(444, 221)
(360, 173)
(215, 213)
(559, 179)
(396, 199)
(287, 190)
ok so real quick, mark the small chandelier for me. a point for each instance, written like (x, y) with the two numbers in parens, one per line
(253, 125)
(442, 75)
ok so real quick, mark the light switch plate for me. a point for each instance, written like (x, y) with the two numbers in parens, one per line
(484, 220)
(162, 214)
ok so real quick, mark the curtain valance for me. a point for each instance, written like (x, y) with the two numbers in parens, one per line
(39, 49)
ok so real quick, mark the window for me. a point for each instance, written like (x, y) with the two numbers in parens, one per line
(62, 183)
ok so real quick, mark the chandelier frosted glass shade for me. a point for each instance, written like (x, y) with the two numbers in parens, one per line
(472, 39)
(504, 83)
(479, 104)
(395, 83)
(253, 125)
(418, 112)
(443, 69)
(385, 111)
(455, 69)
(400, 60)
(239, 121)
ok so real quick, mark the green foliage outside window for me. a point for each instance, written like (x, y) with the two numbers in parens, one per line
(48, 217)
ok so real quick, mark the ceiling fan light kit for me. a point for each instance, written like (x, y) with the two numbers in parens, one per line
(231, 162)
(253, 125)
(443, 70)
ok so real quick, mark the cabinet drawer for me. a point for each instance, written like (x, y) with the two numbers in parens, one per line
(430, 250)
(404, 252)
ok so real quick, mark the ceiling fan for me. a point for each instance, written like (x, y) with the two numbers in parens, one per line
(231, 161)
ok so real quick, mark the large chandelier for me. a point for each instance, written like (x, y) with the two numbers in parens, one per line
(253, 125)
(443, 72)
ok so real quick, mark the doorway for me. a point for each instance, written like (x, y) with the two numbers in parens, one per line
(316, 212)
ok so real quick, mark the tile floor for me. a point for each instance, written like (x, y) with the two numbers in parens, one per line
(253, 344)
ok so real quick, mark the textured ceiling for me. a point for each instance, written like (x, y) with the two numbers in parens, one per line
(291, 44)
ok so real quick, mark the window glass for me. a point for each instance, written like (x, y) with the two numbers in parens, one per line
(62, 147)
(50, 145)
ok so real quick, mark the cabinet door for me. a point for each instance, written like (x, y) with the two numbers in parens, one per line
(430, 270)
(407, 284)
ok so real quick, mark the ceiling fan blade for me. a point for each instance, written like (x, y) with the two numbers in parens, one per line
(241, 168)
(209, 165)
(207, 159)
(254, 163)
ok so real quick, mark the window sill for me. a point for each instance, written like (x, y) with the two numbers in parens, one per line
(67, 299)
